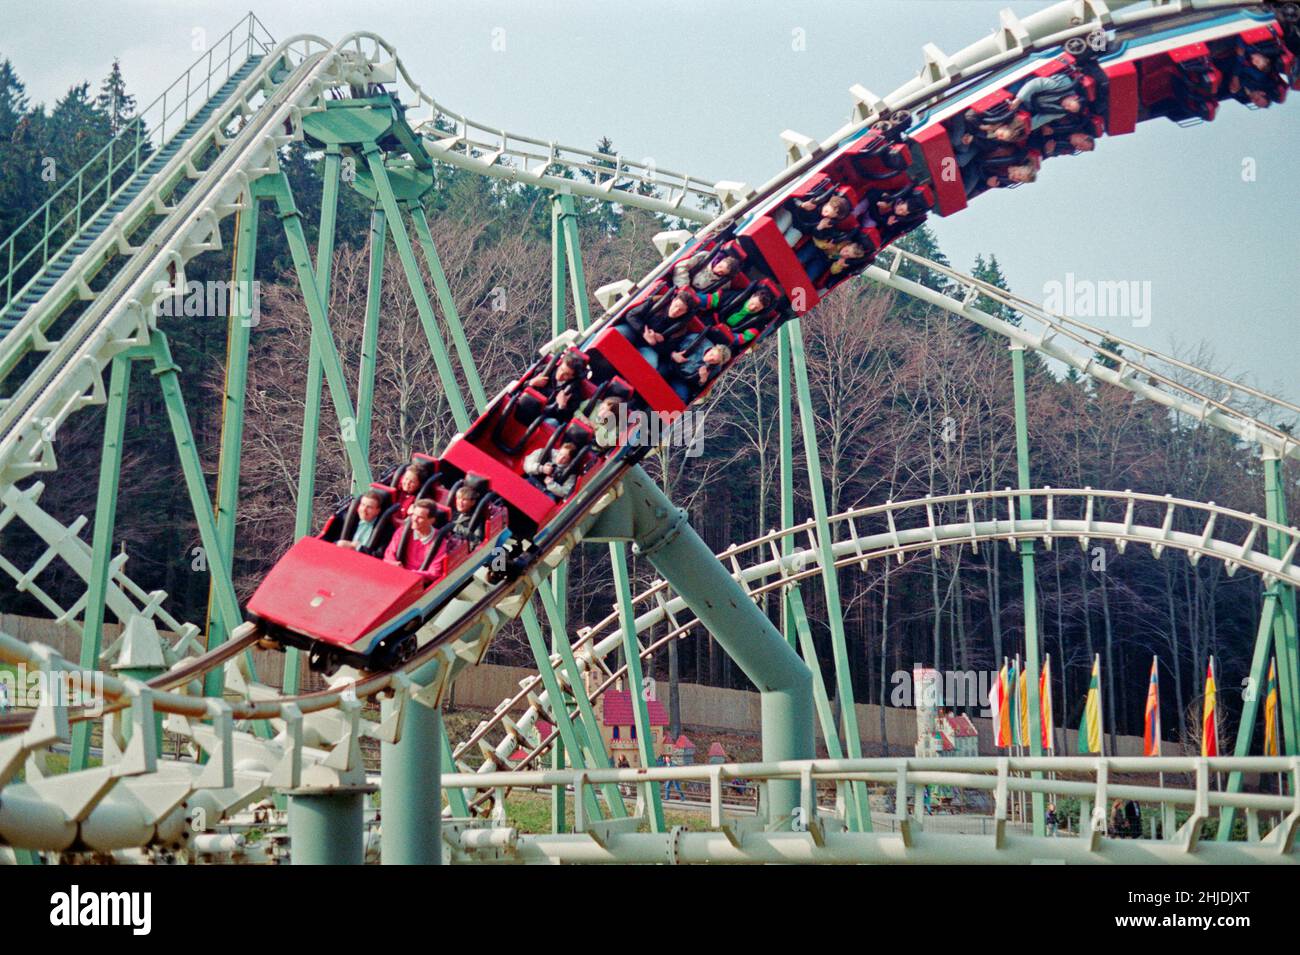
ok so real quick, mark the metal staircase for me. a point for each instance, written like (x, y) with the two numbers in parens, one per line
(59, 263)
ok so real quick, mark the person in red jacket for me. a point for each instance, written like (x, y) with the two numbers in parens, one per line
(410, 546)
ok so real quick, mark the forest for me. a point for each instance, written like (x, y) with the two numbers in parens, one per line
(908, 401)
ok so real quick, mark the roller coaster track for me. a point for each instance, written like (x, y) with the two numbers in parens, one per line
(63, 374)
(318, 734)
(902, 528)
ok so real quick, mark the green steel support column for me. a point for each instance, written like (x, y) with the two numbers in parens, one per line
(857, 807)
(302, 525)
(1028, 578)
(785, 402)
(326, 827)
(794, 618)
(558, 618)
(1284, 622)
(635, 681)
(449, 313)
(661, 532)
(573, 248)
(232, 412)
(110, 467)
(370, 330)
(1268, 615)
(322, 338)
(411, 784)
(564, 726)
(227, 605)
(414, 280)
(591, 749)
(455, 797)
(559, 584)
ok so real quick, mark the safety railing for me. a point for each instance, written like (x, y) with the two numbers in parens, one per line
(1201, 393)
(44, 234)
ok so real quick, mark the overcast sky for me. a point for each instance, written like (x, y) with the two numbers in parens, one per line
(705, 87)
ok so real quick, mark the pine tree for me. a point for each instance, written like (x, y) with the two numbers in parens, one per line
(114, 101)
(991, 272)
(13, 101)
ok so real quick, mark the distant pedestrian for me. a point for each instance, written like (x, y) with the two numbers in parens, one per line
(1050, 819)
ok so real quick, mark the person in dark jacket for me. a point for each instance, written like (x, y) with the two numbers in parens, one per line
(562, 386)
(463, 507)
(651, 324)
(689, 371)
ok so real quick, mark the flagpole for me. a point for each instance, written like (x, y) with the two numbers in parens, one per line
(1101, 713)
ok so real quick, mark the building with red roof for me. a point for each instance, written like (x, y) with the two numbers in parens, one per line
(618, 727)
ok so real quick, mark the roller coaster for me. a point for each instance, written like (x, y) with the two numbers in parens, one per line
(89, 277)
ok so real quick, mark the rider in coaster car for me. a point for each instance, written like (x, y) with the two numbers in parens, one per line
(369, 508)
(837, 263)
(408, 488)
(604, 421)
(411, 547)
(562, 385)
(825, 215)
(996, 172)
(1257, 78)
(973, 133)
(690, 370)
(550, 471)
(893, 212)
(464, 506)
(707, 270)
(1050, 98)
(753, 315)
(1062, 142)
(654, 321)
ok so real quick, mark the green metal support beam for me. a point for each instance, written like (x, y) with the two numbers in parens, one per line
(564, 218)
(325, 827)
(1029, 580)
(370, 329)
(218, 563)
(455, 797)
(449, 313)
(322, 339)
(110, 468)
(1284, 622)
(663, 535)
(405, 252)
(311, 408)
(857, 806)
(635, 682)
(794, 617)
(411, 783)
(238, 332)
(1250, 701)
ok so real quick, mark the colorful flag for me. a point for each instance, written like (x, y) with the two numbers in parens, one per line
(1045, 703)
(1013, 697)
(1151, 736)
(998, 704)
(1023, 706)
(1210, 715)
(1090, 724)
(1271, 746)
